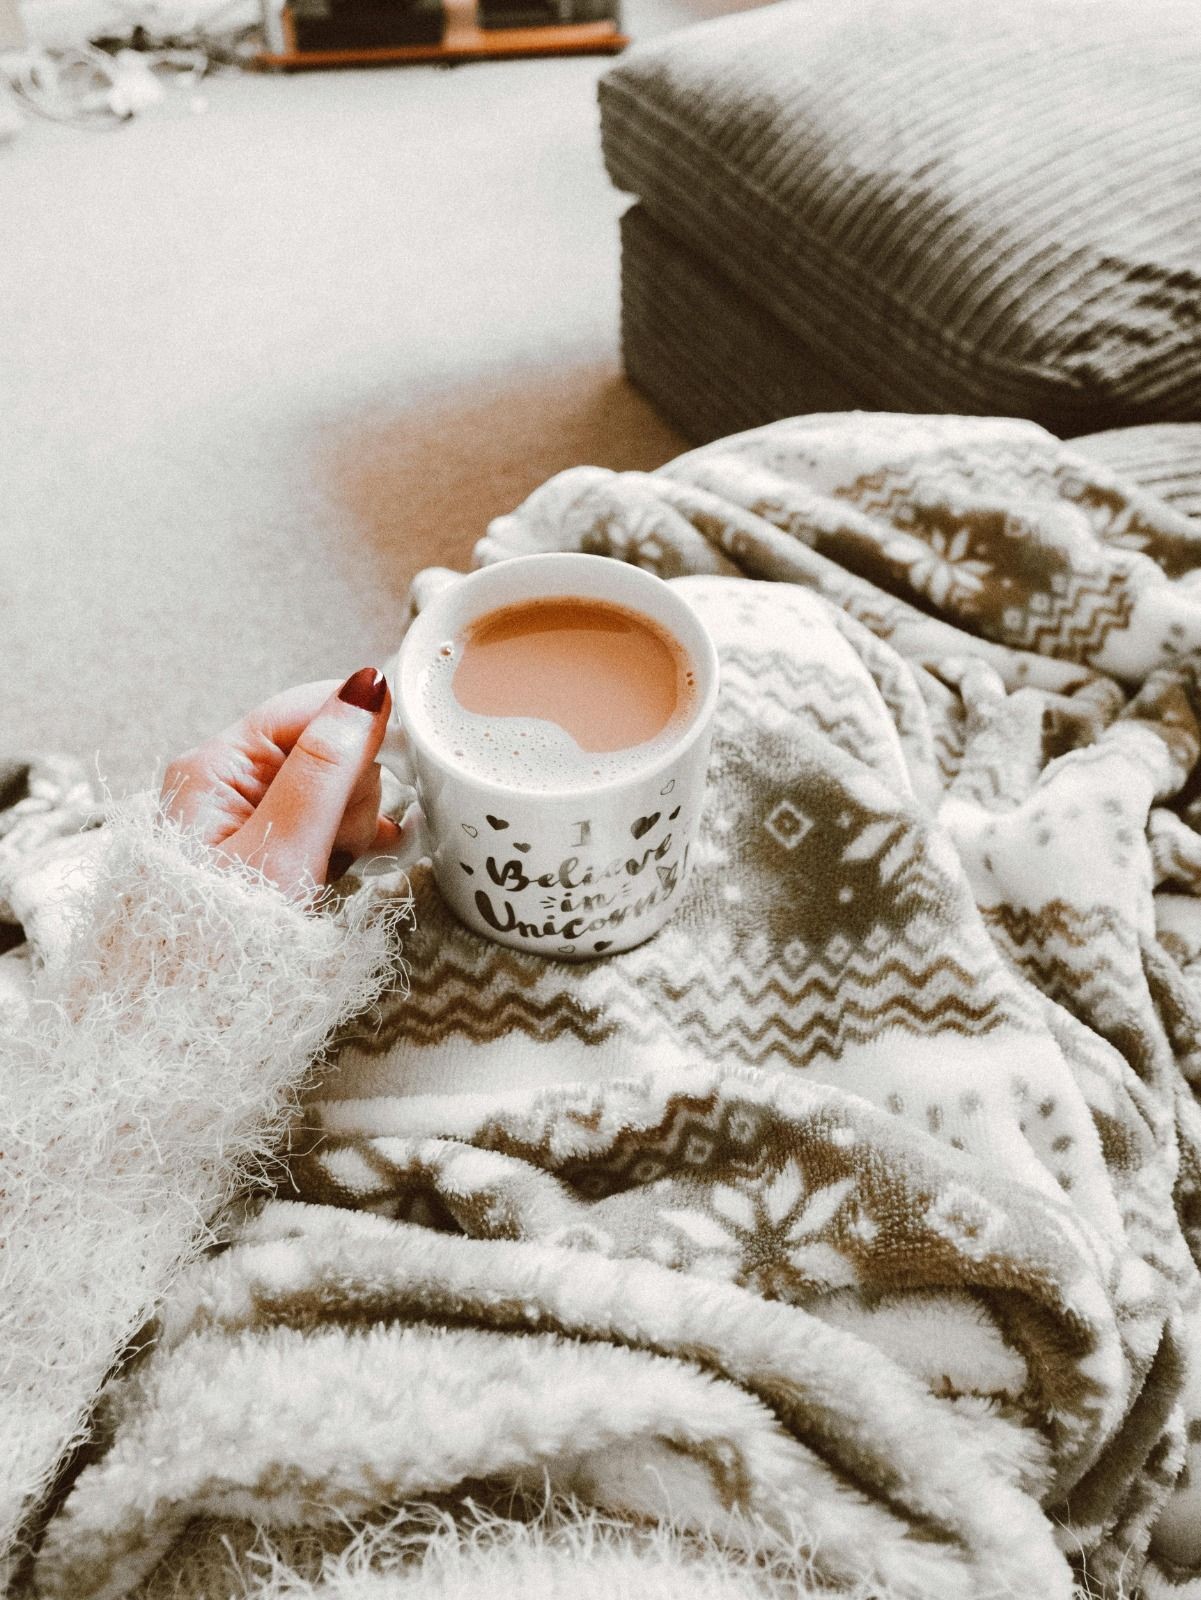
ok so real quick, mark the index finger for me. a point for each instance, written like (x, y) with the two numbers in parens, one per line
(281, 720)
(291, 833)
(242, 758)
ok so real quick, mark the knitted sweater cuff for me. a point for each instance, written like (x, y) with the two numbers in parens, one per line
(168, 1015)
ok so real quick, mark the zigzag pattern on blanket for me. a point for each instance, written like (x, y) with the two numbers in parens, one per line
(862, 1202)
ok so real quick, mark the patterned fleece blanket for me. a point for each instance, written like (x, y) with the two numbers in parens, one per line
(857, 1215)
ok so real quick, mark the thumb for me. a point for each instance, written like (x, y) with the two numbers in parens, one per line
(292, 832)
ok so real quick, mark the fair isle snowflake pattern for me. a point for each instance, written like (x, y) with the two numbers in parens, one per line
(640, 542)
(941, 569)
(770, 1237)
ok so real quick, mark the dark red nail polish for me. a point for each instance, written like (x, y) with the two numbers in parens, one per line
(365, 688)
(340, 862)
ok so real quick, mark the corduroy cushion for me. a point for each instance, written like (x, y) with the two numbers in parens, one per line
(956, 207)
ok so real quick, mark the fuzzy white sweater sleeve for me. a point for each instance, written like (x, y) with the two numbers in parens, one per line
(151, 1043)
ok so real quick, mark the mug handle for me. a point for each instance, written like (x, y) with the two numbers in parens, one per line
(415, 842)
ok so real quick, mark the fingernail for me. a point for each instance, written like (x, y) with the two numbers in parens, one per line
(340, 862)
(365, 688)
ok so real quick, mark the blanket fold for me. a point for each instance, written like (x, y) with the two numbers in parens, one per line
(856, 1216)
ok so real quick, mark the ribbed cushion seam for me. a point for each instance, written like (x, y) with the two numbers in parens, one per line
(623, 167)
(716, 362)
(1023, 292)
(631, 179)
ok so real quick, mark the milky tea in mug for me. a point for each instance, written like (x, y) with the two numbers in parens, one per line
(558, 738)
(559, 691)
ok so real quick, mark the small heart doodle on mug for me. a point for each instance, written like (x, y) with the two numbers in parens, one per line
(674, 814)
(524, 848)
(602, 944)
(470, 871)
(495, 822)
(644, 825)
(668, 786)
(567, 949)
(472, 833)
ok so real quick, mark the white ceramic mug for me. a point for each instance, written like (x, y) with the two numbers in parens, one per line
(573, 873)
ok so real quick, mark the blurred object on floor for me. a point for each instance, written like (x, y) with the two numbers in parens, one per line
(544, 13)
(350, 24)
(82, 85)
(147, 24)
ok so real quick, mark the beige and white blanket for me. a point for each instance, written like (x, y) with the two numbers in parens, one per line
(857, 1215)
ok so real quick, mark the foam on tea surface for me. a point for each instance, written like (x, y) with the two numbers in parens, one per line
(558, 693)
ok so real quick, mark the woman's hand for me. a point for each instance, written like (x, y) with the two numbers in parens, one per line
(293, 783)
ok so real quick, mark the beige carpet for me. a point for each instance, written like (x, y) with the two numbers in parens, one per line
(260, 363)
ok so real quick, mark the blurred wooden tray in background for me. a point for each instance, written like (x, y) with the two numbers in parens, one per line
(463, 40)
